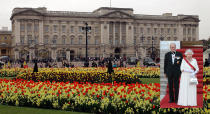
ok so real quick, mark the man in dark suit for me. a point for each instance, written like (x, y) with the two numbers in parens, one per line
(172, 63)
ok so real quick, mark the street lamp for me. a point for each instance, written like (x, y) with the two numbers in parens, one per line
(152, 54)
(86, 28)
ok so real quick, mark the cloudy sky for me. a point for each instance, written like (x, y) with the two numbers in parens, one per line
(154, 7)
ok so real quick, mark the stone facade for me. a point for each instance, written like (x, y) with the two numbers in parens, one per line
(6, 43)
(119, 32)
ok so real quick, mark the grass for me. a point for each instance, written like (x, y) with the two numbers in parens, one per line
(150, 80)
(5, 109)
(7, 77)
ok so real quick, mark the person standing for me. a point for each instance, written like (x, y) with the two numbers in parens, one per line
(206, 63)
(110, 68)
(188, 89)
(172, 62)
(35, 66)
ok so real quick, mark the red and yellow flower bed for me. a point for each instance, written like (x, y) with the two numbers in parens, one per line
(85, 97)
(204, 110)
(79, 76)
(145, 72)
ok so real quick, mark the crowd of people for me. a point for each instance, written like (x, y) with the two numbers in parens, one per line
(49, 63)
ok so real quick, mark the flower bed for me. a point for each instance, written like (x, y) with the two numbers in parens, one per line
(204, 110)
(13, 72)
(79, 76)
(145, 72)
(85, 97)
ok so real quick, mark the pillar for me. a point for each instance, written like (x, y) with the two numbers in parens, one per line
(68, 55)
(16, 54)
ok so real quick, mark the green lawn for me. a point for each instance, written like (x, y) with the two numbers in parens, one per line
(150, 80)
(7, 77)
(5, 109)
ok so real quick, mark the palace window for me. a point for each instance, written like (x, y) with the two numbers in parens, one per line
(174, 31)
(54, 40)
(116, 41)
(169, 30)
(46, 39)
(55, 27)
(29, 39)
(148, 30)
(96, 41)
(72, 29)
(162, 30)
(155, 30)
(63, 40)
(36, 28)
(46, 28)
(148, 40)
(22, 27)
(22, 39)
(142, 30)
(36, 40)
(96, 30)
(80, 29)
(72, 40)
(134, 30)
(134, 41)
(111, 40)
(3, 51)
(63, 28)
(123, 40)
(29, 29)
(80, 39)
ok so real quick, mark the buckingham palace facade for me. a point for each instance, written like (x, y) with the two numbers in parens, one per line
(40, 33)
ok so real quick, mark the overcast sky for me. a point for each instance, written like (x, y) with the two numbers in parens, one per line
(154, 7)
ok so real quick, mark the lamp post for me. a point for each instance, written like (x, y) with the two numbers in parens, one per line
(86, 28)
(142, 40)
(152, 54)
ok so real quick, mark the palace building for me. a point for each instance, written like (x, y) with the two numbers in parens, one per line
(40, 33)
(6, 43)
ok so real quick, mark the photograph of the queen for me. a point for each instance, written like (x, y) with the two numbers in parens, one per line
(188, 81)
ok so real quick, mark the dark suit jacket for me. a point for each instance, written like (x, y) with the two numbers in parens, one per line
(169, 67)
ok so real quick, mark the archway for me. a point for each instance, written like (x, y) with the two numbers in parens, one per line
(43, 54)
(61, 55)
(72, 55)
(117, 52)
(24, 55)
